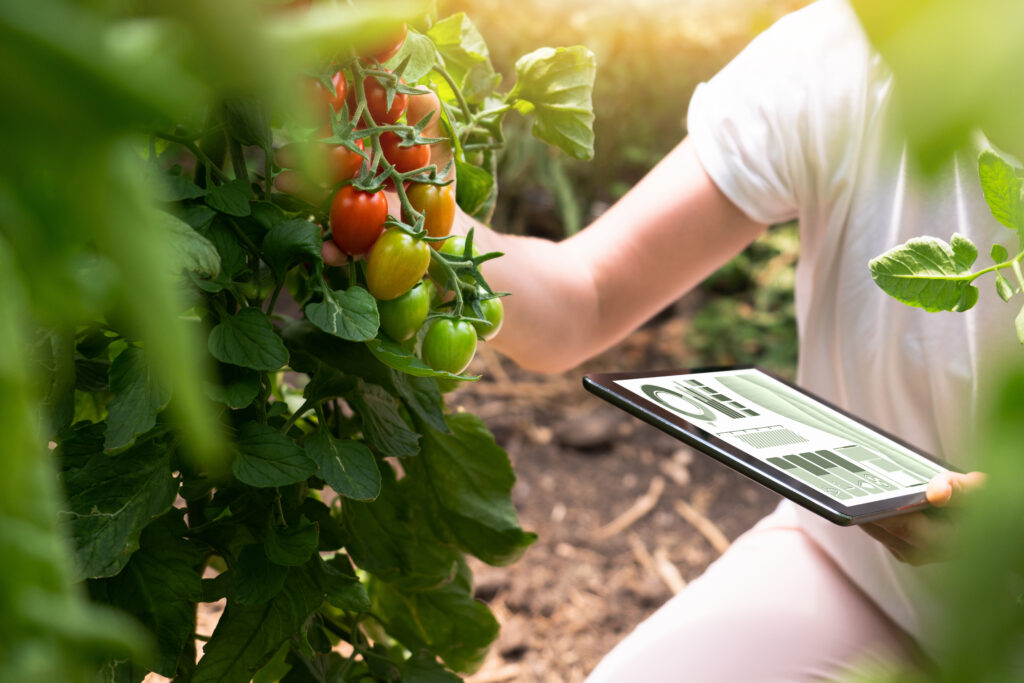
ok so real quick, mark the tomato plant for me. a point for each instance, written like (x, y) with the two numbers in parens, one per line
(357, 219)
(454, 247)
(396, 263)
(184, 488)
(449, 345)
(437, 204)
(402, 317)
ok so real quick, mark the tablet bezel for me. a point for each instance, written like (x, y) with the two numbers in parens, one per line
(604, 386)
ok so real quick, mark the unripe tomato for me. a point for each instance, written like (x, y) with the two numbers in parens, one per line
(454, 246)
(449, 345)
(404, 159)
(396, 263)
(402, 318)
(494, 314)
(377, 102)
(357, 219)
(437, 204)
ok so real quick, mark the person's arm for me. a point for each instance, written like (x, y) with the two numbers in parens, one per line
(573, 299)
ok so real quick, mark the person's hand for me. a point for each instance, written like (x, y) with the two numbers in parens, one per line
(923, 537)
(440, 155)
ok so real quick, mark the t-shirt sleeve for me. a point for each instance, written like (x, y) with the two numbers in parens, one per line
(776, 128)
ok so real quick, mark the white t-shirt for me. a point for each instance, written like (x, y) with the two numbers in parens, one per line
(800, 126)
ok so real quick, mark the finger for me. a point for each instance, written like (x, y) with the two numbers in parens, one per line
(950, 486)
(332, 255)
(904, 551)
(895, 546)
(917, 529)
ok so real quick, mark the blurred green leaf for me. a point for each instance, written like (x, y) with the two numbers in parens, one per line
(191, 251)
(1002, 189)
(421, 53)
(556, 84)
(465, 56)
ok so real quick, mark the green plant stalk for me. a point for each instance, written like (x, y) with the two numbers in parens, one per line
(463, 104)
(1017, 271)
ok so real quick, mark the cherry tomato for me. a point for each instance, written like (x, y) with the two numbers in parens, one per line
(494, 314)
(454, 246)
(387, 48)
(404, 159)
(402, 318)
(396, 263)
(340, 88)
(449, 345)
(437, 204)
(377, 102)
(339, 162)
(418, 107)
(295, 184)
(357, 219)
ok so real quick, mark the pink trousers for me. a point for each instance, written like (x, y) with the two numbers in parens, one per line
(773, 608)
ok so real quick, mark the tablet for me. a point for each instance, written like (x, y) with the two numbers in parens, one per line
(781, 436)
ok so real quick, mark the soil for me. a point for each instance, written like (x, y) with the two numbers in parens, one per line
(585, 470)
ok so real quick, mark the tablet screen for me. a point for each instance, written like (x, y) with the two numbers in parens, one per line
(792, 433)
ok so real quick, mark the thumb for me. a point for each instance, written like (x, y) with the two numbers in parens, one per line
(945, 487)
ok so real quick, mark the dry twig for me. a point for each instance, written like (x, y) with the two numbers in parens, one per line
(637, 510)
(705, 526)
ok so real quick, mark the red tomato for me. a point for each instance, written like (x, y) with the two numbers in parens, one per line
(295, 184)
(387, 48)
(404, 159)
(357, 219)
(377, 102)
(344, 164)
(340, 88)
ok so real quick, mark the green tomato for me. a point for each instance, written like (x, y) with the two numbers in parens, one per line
(396, 262)
(402, 318)
(494, 314)
(453, 246)
(449, 345)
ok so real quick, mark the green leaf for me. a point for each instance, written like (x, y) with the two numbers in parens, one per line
(557, 85)
(383, 426)
(247, 635)
(291, 546)
(328, 383)
(1002, 190)
(422, 398)
(347, 466)
(350, 314)
(396, 540)
(231, 198)
(197, 215)
(160, 587)
(423, 667)
(395, 356)
(237, 388)
(256, 578)
(343, 588)
(925, 272)
(138, 397)
(289, 243)
(247, 121)
(968, 298)
(1019, 323)
(420, 52)
(999, 253)
(473, 187)
(110, 500)
(964, 250)
(248, 339)
(232, 255)
(470, 479)
(189, 250)
(446, 620)
(269, 458)
(1003, 287)
(171, 187)
(465, 56)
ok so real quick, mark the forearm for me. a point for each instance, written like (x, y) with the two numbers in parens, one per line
(573, 299)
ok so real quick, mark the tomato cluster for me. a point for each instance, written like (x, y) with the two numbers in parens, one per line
(396, 258)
